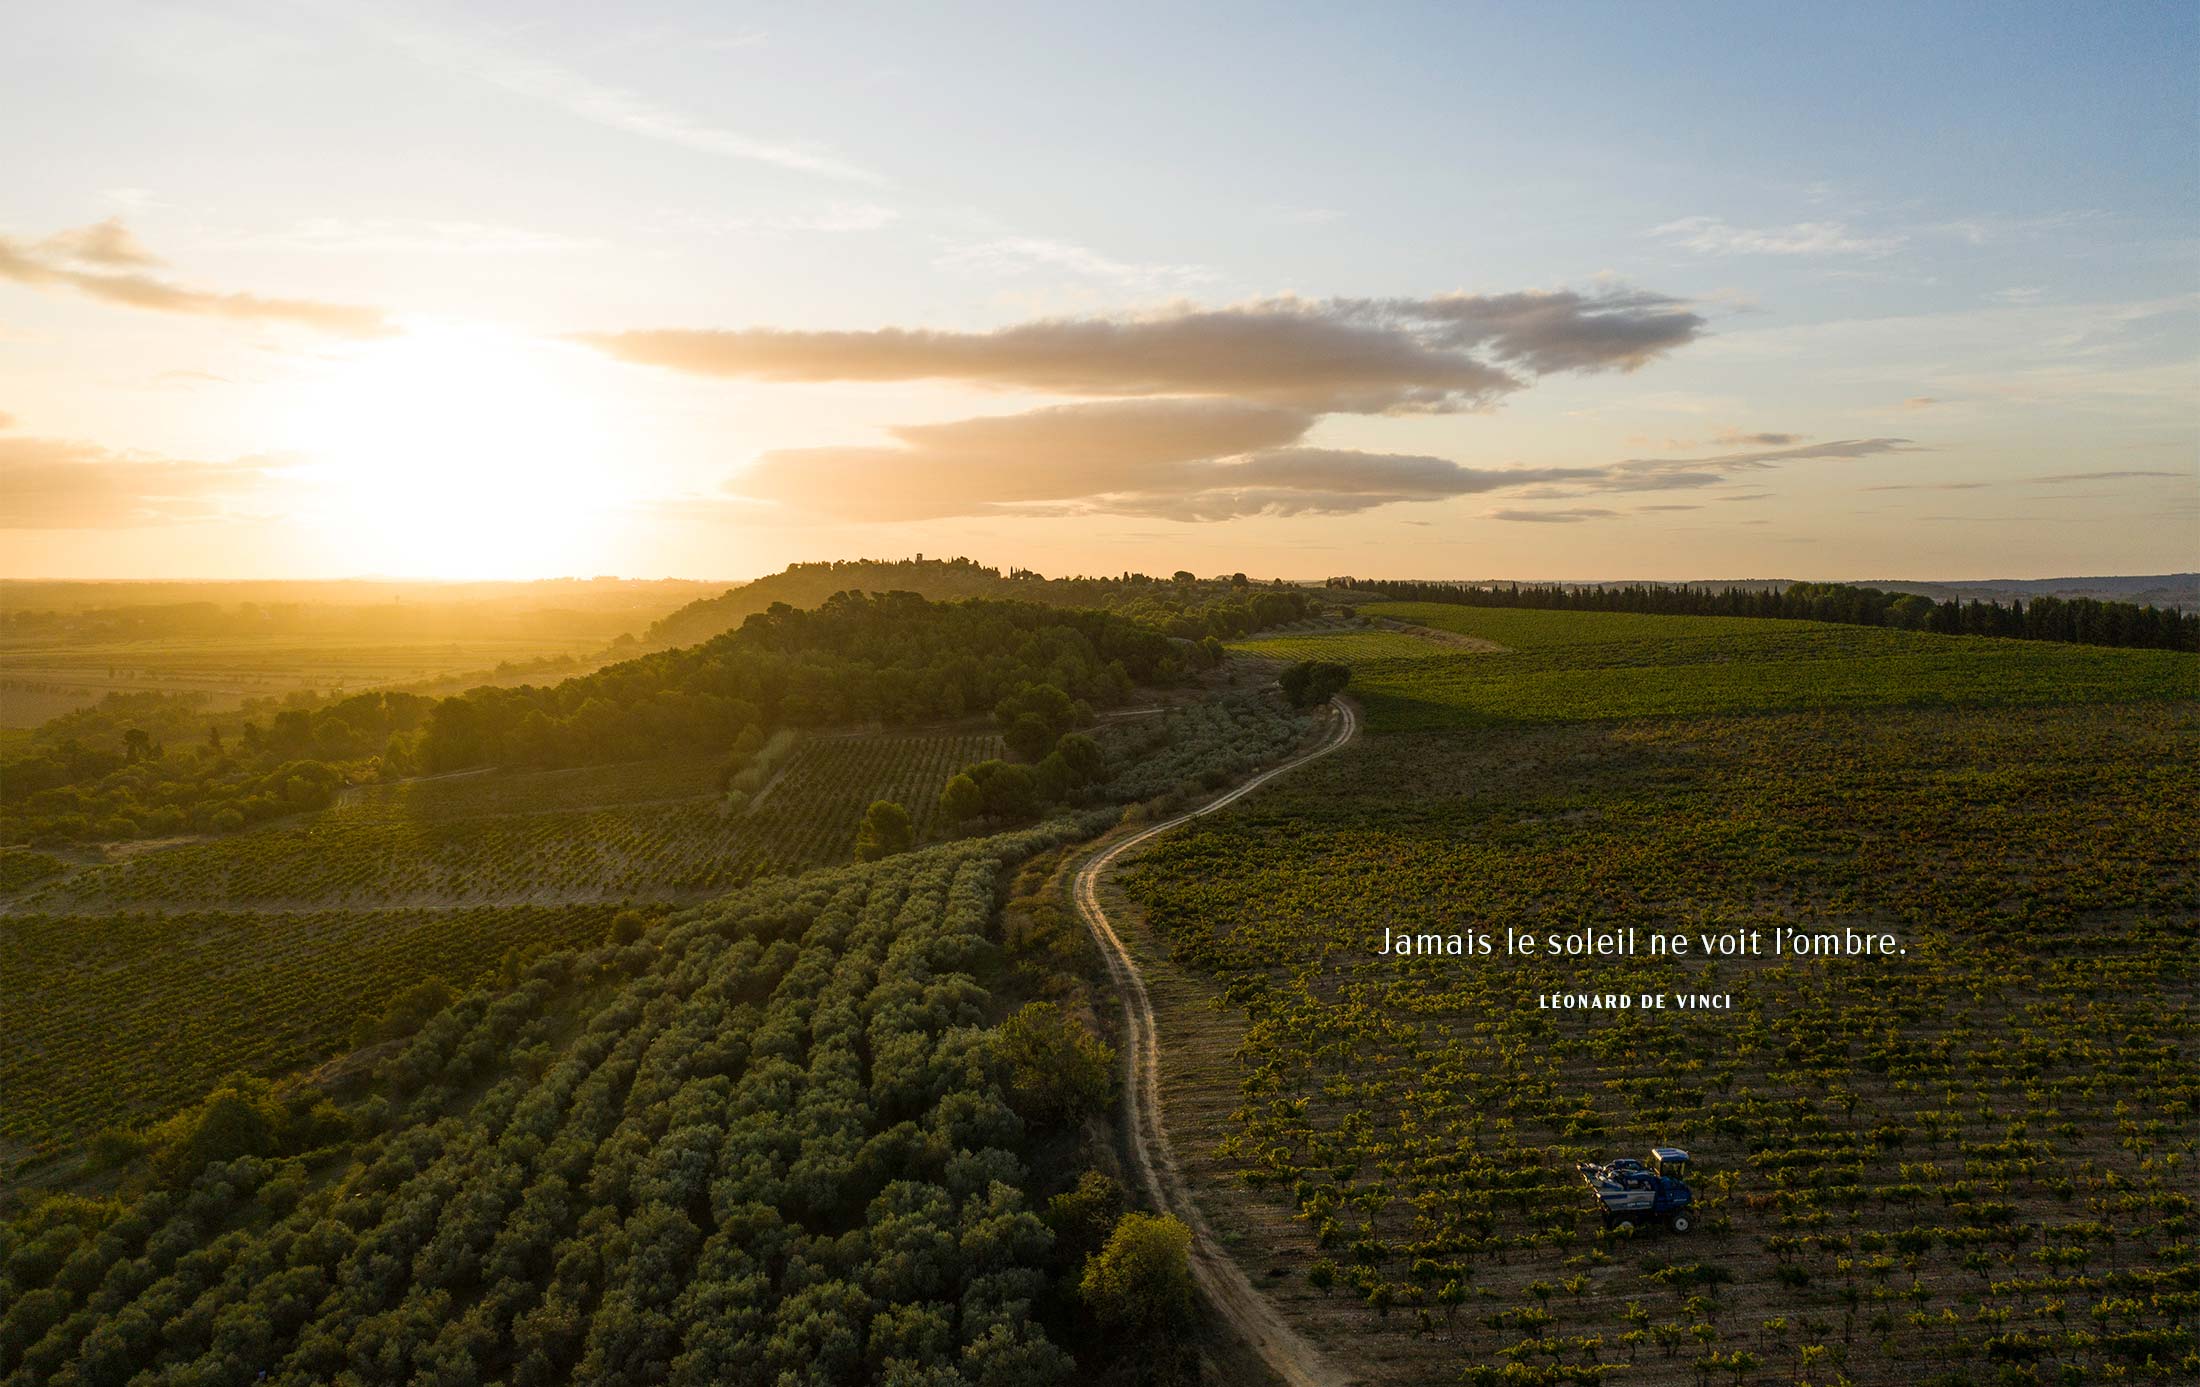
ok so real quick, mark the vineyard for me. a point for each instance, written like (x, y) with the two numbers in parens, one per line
(1970, 1162)
(141, 982)
(153, 977)
(1561, 666)
(643, 831)
(115, 1019)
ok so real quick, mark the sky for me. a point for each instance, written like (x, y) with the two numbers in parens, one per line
(324, 289)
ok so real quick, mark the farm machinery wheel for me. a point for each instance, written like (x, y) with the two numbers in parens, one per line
(1682, 1222)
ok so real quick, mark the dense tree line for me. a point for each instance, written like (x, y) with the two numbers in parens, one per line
(2082, 620)
(895, 659)
(100, 775)
(1181, 605)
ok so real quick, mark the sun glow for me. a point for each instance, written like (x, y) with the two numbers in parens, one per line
(459, 452)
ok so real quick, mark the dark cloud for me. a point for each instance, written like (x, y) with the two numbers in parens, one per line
(1357, 355)
(58, 484)
(1736, 438)
(107, 249)
(1547, 332)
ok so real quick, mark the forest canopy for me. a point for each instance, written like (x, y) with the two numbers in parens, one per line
(149, 765)
(2077, 620)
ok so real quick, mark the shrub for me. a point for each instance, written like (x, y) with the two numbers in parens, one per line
(961, 800)
(1058, 1070)
(1081, 1218)
(232, 1122)
(1310, 683)
(886, 830)
(1141, 1281)
(410, 1009)
(1008, 791)
(1083, 756)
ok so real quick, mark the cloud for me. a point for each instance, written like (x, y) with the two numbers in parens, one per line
(1929, 486)
(2059, 479)
(108, 243)
(1667, 507)
(61, 260)
(1656, 473)
(1177, 459)
(1018, 255)
(1920, 402)
(1551, 517)
(1735, 437)
(1445, 353)
(415, 236)
(1718, 469)
(2064, 478)
(1714, 236)
(59, 484)
(616, 108)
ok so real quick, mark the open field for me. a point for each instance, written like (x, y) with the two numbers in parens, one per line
(1561, 666)
(643, 831)
(1972, 1156)
(65, 645)
(45, 680)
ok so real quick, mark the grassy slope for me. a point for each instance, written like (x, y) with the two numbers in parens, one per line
(1563, 666)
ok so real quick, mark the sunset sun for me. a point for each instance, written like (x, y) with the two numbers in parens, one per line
(456, 451)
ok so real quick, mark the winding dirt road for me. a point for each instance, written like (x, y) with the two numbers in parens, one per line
(1246, 1310)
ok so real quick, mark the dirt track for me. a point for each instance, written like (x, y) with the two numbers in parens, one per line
(1248, 1313)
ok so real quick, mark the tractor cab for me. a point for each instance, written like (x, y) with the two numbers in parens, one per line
(1630, 1191)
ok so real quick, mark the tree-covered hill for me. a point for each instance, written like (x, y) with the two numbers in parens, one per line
(1181, 605)
(895, 659)
(145, 766)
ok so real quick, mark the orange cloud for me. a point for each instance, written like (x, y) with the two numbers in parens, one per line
(60, 484)
(1181, 459)
(108, 248)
